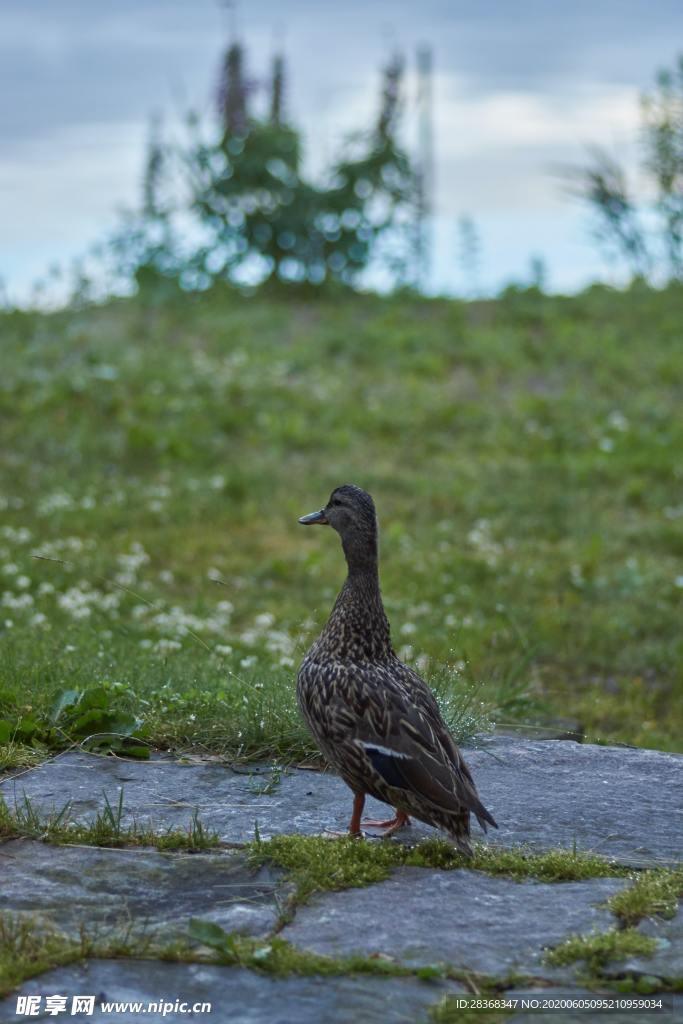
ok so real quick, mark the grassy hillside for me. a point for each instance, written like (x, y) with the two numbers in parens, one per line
(525, 456)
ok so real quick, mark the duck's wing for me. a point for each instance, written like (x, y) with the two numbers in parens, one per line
(405, 738)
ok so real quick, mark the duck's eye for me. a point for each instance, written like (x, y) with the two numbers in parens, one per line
(335, 502)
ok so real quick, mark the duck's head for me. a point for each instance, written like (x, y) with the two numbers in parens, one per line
(351, 512)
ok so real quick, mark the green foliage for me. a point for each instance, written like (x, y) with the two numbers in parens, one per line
(92, 717)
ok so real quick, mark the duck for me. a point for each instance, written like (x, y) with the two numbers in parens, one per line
(375, 720)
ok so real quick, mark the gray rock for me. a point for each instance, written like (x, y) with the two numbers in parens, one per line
(464, 918)
(141, 889)
(238, 996)
(615, 801)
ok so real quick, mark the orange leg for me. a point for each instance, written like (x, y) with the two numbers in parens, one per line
(358, 805)
(390, 826)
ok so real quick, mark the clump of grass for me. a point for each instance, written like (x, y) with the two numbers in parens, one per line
(20, 755)
(599, 949)
(24, 821)
(316, 864)
(653, 892)
(29, 947)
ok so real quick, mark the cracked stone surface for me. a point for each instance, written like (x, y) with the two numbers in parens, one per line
(237, 995)
(548, 793)
(487, 924)
(141, 888)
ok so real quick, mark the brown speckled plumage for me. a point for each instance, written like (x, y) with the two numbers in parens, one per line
(375, 720)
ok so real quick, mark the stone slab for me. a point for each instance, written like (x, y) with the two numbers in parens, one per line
(615, 801)
(141, 889)
(468, 919)
(237, 996)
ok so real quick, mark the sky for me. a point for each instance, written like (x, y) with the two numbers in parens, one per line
(521, 88)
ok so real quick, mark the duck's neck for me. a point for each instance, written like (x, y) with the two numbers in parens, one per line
(358, 627)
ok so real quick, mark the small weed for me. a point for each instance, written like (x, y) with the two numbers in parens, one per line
(271, 784)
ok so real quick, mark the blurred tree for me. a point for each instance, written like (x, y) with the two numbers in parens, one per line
(262, 216)
(603, 186)
(245, 210)
(663, 124)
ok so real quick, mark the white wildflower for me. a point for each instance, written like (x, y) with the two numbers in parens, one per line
(617, 420)
(10, 569)
(17, 602)
(249, 661)
(19, 535)
(223, 649)
(22, 582)
(408, 628)
(166, 646)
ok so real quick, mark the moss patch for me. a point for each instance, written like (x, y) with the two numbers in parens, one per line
(599, 949)
(315, 864)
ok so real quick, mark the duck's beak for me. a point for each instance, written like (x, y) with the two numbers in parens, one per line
(314, 518)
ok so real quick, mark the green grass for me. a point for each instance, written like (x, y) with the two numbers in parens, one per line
(24, 821)
(655, 892)
(28, 948)
(524, 455)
